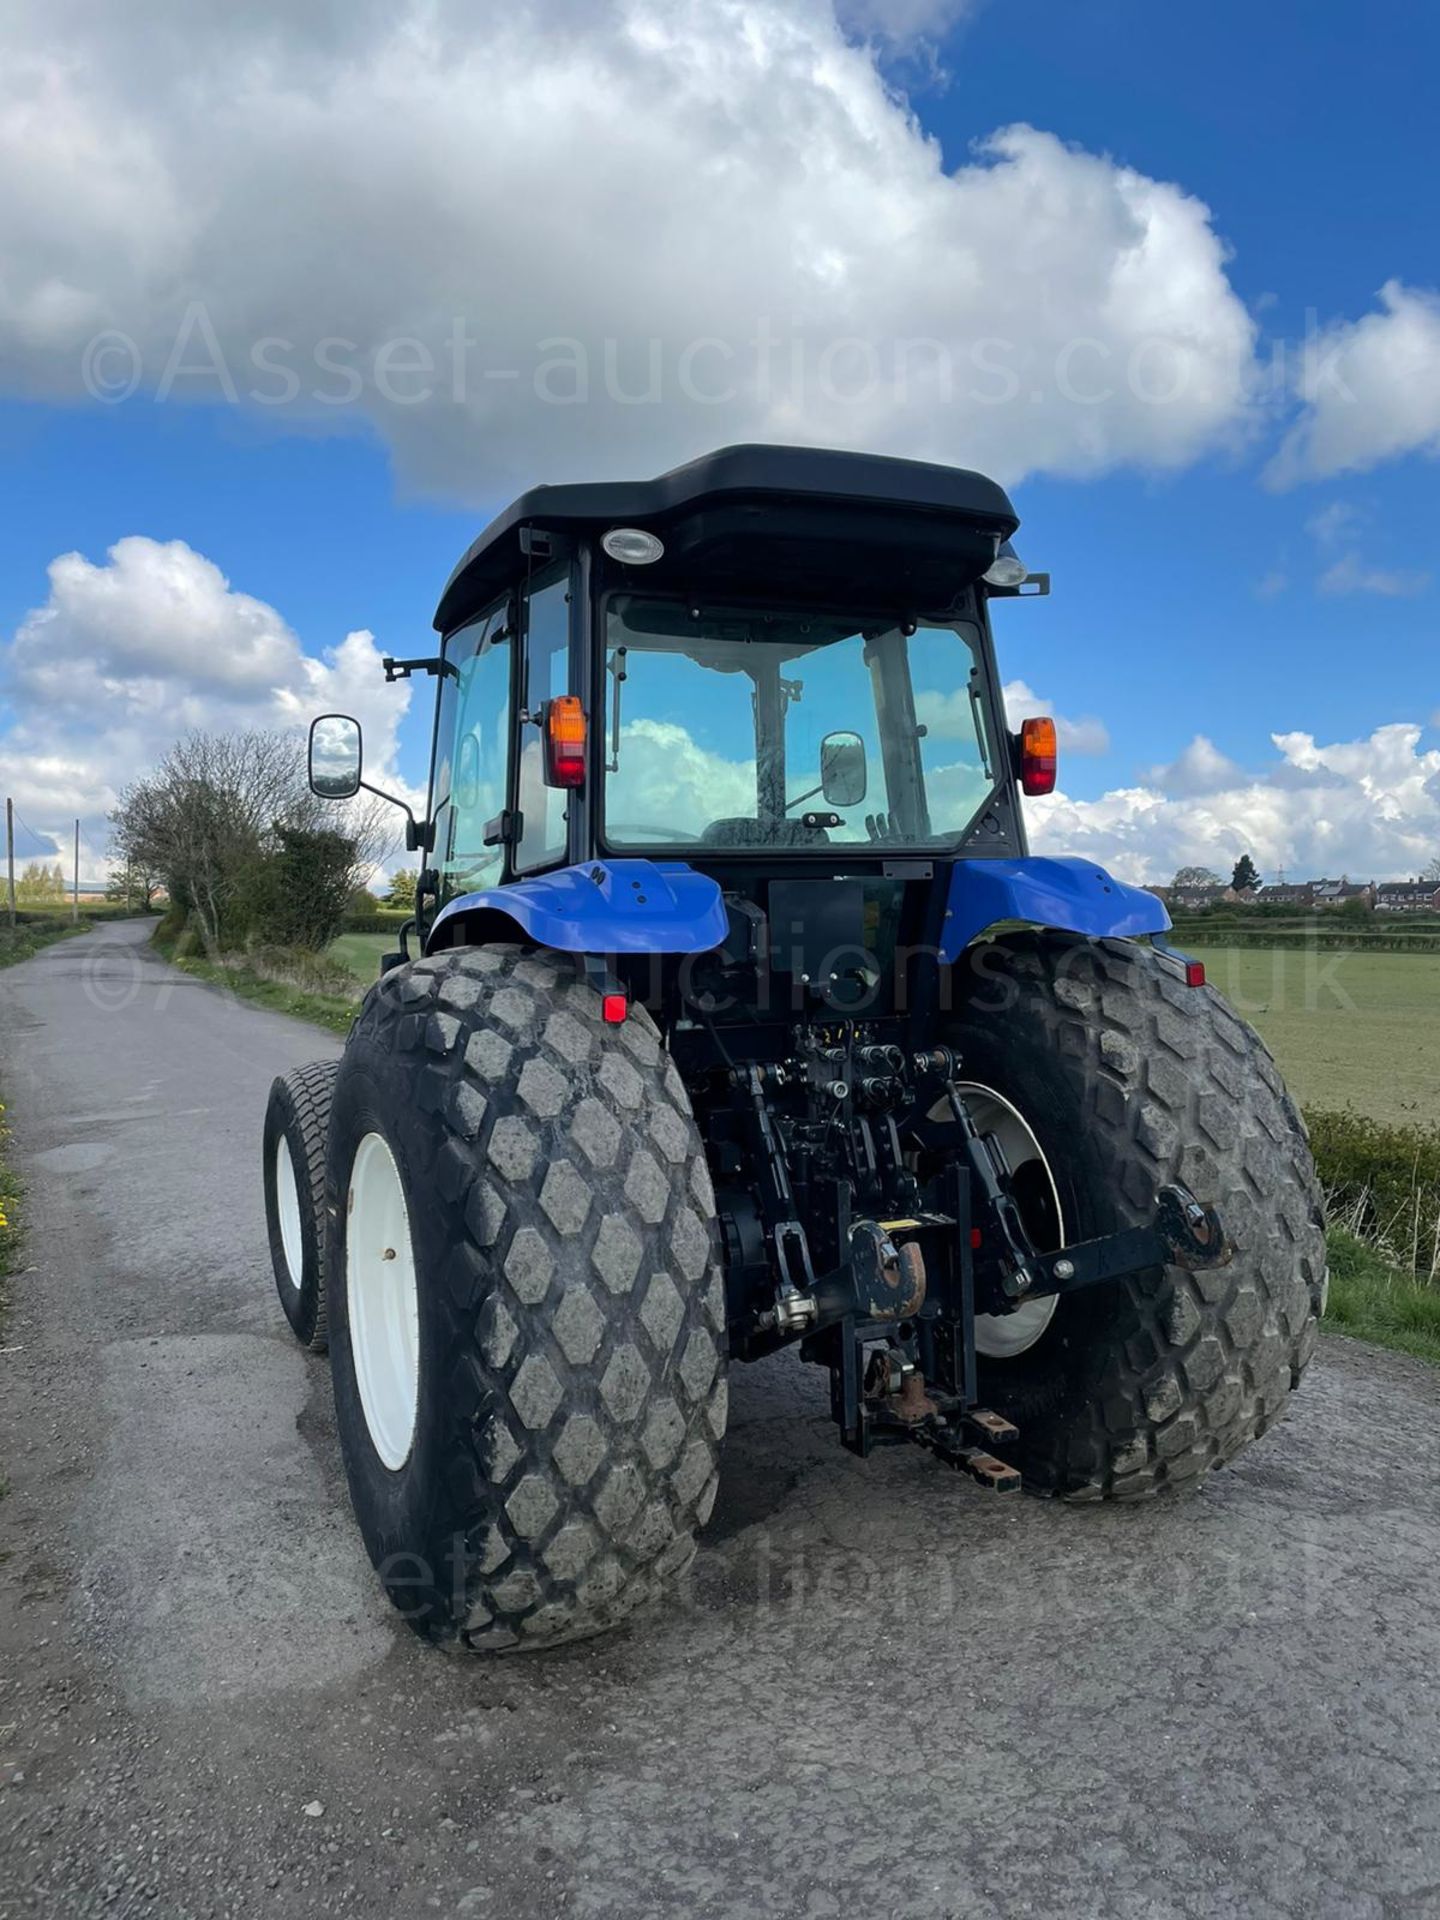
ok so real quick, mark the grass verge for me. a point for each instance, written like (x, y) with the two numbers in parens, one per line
(1382, 1183)
(29, 937)
(9, 1221)
(306, 986)
(9, 1254)
(1372, 1300)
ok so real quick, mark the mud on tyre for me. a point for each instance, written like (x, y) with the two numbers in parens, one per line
(569, 1389)
(1128, 1079)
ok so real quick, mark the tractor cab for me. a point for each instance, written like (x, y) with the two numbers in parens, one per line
(772, 665)
(772, 653)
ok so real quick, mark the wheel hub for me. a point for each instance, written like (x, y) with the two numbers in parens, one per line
(287, 1209)
(383, 1301)
(1003, 1336)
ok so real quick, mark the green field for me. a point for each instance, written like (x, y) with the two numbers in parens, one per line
(361, 952)
(1348, 1029)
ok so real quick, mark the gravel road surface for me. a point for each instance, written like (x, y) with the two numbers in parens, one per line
(881, 1692)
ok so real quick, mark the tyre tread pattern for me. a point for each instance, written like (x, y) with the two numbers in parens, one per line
(1173, 1084)
(587, 1398)
(302, 1099)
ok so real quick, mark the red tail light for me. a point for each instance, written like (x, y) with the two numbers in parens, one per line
(565, 741)
(1037, 756)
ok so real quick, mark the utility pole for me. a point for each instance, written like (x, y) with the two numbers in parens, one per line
(10, 854)
(75, 896)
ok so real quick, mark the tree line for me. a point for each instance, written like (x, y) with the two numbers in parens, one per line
(42, 884)
(227, 825)
(1244, 876)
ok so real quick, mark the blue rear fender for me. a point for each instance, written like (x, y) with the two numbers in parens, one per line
(649, 906)
(1066, 894)
(604, 906)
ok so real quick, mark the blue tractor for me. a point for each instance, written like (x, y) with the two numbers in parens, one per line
(736, 1015)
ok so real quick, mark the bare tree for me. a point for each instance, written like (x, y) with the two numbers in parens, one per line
(215, 808)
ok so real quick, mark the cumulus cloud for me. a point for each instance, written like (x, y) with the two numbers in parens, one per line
(1368, 807)
(552, 239)
(665, 776)
(1371, 391)
(125, 656)
(1086, 735)
(1200, 768)
(904, 24)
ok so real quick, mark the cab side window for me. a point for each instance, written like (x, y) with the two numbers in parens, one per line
(472, 757)
(545, 615)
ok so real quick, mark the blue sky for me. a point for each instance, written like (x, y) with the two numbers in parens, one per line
(1193, 595)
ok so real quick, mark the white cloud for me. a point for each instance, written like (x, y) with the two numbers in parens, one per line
(720, 183)
(1086, 735)
(1369, 807)
(124, 657)
(1349, 574)
(665, 776)
(1371, 391)
(1332, 523)
(904, 24)
(1200, 768)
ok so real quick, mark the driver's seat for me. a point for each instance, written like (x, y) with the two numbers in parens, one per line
(742, 830)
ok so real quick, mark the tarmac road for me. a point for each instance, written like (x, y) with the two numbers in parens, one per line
(883, 1692)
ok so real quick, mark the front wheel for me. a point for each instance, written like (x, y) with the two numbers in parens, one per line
(1107, 1077)
(527, 1317)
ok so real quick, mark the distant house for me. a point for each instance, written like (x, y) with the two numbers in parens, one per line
(1290, 894)
(1407, 896)
(1197, 899)
(1338, 893)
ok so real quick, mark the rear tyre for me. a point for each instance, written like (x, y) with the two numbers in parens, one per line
(1126, 1079)
(297, 1119)
(527, 1314)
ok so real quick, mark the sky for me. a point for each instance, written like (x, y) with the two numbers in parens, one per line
(294, 296)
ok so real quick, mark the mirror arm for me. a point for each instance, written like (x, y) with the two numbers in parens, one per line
(419, 837)
(402, 669)
(804, 796)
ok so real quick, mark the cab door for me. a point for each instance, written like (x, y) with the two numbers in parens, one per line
(542, 824)
(471, 784)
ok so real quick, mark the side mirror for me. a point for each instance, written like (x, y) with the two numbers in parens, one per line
(335, 758)
(843, 778)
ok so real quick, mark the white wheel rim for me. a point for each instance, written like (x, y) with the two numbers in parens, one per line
(287, 1208)
(382, 1299)
(1002, 1336)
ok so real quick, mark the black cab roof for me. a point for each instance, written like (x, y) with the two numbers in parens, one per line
(793, 515)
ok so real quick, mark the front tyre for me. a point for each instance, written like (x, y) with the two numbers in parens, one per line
(1127, 1079)
(527, 1317)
